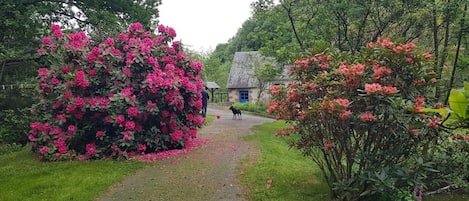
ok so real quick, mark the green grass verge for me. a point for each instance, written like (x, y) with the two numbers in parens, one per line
(22, 177)
(293, 176)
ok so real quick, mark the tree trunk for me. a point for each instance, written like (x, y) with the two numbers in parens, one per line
(444, 53)
(436, 46)
(455, 64)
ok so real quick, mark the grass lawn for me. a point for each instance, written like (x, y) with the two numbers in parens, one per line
(292, 176)
(22, 177)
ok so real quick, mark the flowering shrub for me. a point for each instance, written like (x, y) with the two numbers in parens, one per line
(134, 94)
(357, 116)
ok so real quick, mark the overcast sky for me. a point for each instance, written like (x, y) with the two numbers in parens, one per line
(202, 24)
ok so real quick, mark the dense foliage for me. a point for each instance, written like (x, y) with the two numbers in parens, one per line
(357, 117)
(135, 94)
(24, 22)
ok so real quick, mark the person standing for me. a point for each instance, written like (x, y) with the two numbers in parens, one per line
(205, 98)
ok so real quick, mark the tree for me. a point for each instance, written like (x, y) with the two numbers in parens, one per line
(24, 21)
(264, 71)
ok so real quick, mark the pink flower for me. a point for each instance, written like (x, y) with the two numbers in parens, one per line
(91, 72)
(110, 41)
(373, 88)
(61, 117)
(36, 126)
(71, 129)
(345, 114)
(433, 123)
(161, 28)
(47, 127)
(122, 37)
(127, 72)
(129, 125)
(368, 117)
(108, 119)
(197, 66)
(79, 102)
(419, 99)
(142, 147)
(116, 52)
(176, 136)
(42, 72)
(57, 131)
(99, 134)
(132, 111)
(114, 148)
(136, 27)
(54, 81)
(126, 92)
(127, 137)
(119, 119)
(65, 69)
(171, 32)
(41, 51)
(70, 108)
(44, 150)
(427, 56)
(275, 89)
(54, 27)
(32, 138)
(90, 149)
(46, 40)
(56, 30)
(342, 102)
(389, 90)
(57, 33)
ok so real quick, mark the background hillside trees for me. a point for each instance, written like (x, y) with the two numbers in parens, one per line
(24, 21)
(290, 29)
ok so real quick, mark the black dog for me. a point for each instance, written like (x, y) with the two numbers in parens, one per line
(236, 113)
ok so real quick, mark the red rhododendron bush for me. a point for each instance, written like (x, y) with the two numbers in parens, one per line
(135, 94)
(358, 116)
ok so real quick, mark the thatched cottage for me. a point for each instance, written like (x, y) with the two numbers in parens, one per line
(243, 86)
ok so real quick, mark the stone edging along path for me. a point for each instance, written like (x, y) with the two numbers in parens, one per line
(206, 173)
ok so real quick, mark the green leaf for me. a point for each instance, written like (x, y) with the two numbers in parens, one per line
(458, 103)
(442, 111)
(420, 160)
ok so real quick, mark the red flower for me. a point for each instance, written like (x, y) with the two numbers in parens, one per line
(367, 116)
(218, 116)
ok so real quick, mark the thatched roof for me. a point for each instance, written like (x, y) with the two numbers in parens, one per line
(241, 72)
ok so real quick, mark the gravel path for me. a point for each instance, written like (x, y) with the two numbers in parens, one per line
(206, 173)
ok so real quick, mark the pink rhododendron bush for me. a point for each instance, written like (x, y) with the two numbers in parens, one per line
(135, 94)
(358, 117)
